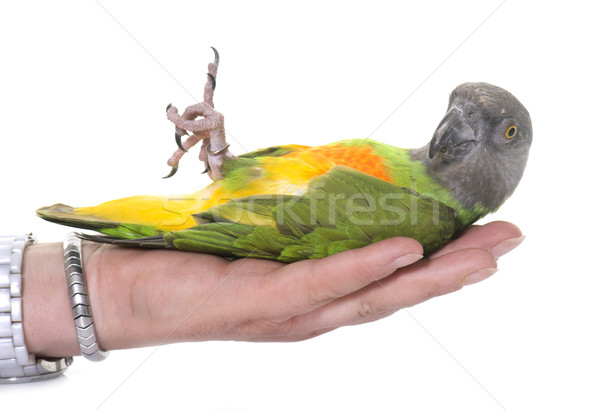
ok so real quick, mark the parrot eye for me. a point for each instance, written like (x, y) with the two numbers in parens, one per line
(511, 132)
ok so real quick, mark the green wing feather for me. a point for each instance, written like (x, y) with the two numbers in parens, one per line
(343, 209)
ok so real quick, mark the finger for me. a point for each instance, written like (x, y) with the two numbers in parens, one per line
(411, 285)
(497, 237)
(303, 286)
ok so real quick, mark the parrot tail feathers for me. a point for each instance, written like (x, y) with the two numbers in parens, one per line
(67, 215)
(149, 242)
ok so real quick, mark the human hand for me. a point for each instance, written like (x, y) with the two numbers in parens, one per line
(141, 298)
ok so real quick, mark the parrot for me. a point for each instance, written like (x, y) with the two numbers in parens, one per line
(294, 202)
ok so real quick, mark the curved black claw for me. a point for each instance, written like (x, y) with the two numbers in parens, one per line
(206, 167)
(213, 80)
(178, 141)
(169, 106)
(216, 62)
(173, 172)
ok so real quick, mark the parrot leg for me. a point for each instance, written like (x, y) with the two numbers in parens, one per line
(205, 124)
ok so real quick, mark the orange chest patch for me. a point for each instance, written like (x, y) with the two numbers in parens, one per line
(360, 157)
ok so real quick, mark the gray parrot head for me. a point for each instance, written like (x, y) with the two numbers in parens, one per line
(480, 148)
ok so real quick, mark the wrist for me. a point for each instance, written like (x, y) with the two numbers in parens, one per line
(47, 319)
(133, 298)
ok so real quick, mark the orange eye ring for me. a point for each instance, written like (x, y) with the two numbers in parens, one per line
(511, 132)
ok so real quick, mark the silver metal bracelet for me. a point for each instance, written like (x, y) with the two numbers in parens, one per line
(16, 364)
(80, 304)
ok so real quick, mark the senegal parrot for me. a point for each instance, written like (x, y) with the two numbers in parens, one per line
(294, 202)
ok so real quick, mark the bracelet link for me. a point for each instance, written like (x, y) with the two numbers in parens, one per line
(80, 305)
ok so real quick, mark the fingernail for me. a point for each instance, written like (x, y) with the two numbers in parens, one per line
(406, 260)
(506, 246)
(478, 276)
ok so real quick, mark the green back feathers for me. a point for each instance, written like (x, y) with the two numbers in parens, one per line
(343, 209)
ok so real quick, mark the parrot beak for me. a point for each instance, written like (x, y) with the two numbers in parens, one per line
(453, 137)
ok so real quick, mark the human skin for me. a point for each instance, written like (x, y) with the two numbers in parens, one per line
(142, 298)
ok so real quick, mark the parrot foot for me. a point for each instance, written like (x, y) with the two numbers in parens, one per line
(205, 124)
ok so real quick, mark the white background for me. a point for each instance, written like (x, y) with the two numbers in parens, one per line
(83, 88)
